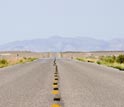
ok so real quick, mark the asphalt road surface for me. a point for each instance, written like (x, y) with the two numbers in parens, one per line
(80, 85)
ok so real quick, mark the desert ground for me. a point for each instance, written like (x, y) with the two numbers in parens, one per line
(20, 54)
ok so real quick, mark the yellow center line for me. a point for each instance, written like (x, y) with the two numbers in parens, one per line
(55, 105)
(56, 78)
(55, 81)
(55, 92)
(55, 86)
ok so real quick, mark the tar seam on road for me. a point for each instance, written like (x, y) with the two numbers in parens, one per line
(55, 86)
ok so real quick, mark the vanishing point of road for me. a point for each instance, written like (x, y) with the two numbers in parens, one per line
(79, 85)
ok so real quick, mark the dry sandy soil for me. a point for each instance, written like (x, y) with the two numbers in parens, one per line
(90, 54)
(21, 54)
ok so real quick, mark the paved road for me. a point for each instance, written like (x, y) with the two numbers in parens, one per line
(90, 85)
(27, 85)
(81, 85)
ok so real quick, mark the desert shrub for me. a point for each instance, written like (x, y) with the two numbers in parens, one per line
(108, 59)
(120, 59)
(90, 61)
(24, 58)
(98, 62)
(80, 59)
(3, 61)
(21, 61)
(31, 59)
(114, 57)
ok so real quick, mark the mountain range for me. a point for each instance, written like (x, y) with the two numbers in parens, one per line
(62, 44)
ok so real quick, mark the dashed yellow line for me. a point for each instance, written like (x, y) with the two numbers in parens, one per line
(55, 92)
(55, 105)
(57, 78)
(55, 81)
(55, 75)
(55, 86)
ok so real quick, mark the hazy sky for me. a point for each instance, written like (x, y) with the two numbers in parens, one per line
(28, 19)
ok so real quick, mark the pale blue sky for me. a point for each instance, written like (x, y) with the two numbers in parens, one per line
(28, 19)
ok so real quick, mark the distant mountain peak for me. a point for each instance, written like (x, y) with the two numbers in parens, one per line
(58, 43)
